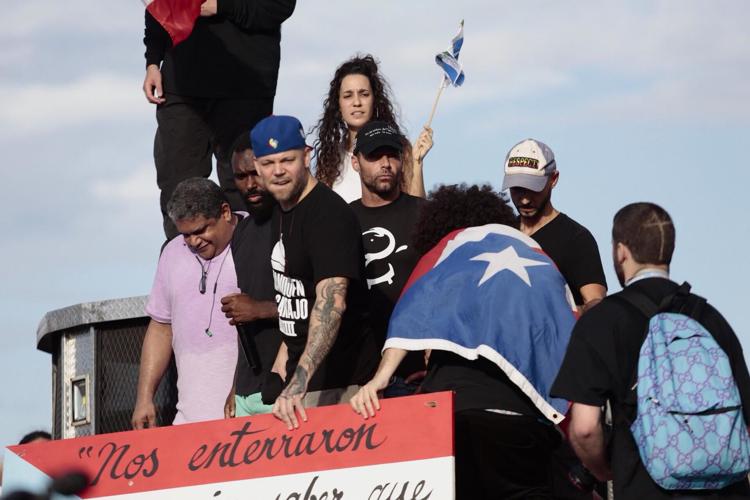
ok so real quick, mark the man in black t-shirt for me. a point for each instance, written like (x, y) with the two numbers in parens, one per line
(531, 174)
(601, 360)
(387, 217)
(317, 271)
(253, 310)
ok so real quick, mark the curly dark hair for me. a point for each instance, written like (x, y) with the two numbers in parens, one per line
(332, 131)
(458, 206)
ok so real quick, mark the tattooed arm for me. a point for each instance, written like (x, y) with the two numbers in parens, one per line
(325, 320)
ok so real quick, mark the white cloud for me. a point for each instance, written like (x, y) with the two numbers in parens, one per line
(648, 60)
(16, 57)
(670, 100)
(36, 18)
(638, 50)
(135, 187)
(35, 107)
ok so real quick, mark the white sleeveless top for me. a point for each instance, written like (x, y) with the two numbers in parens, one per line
(348, 185)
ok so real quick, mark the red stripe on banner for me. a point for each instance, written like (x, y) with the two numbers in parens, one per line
(428, 260)
(409, 428)
(176, 16)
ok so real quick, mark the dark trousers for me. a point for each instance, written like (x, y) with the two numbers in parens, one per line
(502, 456)
(190, 131)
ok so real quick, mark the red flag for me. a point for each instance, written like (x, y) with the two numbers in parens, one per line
(176, 16)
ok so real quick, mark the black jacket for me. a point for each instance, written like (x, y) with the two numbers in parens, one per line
(234, 54)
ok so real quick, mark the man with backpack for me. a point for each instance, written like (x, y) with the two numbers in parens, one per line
(672, 369)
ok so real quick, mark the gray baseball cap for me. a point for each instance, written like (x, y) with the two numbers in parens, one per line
(529, 164)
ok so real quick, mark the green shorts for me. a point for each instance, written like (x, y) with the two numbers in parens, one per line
(246, 406)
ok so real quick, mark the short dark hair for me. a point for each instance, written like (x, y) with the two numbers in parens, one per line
(458, 206)
(34, 435)
(239, 146)
(195, 197)
(242, 142)
(647, 230)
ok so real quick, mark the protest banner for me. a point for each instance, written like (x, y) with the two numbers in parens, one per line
(404, 452)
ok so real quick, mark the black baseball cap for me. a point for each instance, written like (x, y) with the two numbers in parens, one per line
(377, 134)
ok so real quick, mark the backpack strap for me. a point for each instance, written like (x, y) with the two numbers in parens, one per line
(675, 300)
(648, 308)
(683, 299)
(640, 301)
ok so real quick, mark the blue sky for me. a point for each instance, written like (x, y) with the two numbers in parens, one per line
(642, 100)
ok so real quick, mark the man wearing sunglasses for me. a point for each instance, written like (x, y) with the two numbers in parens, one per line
(195, 271)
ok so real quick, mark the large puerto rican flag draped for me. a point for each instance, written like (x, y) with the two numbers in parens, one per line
(491, 291)
(176, 16)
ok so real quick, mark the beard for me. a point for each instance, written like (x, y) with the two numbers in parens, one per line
(260, 211)
(290, 192)
(538, 210)
(252, 205)
(620, 273)
(381, 187)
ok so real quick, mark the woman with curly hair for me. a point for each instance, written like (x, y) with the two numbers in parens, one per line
(458, 206)
(357, 94)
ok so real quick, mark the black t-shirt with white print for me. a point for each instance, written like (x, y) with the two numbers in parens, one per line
(390, 257)
(318, 239)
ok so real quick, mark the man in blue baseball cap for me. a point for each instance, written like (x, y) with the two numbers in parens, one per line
(317, 264)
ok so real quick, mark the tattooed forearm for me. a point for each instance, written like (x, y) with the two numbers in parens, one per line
(325, 320)
(297, 384)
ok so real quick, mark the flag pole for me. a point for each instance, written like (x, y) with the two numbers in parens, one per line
(443, 82)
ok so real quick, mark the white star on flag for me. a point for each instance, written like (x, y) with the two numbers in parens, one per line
(507, 259)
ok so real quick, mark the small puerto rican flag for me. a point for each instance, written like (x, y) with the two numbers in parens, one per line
(176, 16)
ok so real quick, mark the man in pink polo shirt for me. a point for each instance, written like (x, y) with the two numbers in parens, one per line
(195, 271)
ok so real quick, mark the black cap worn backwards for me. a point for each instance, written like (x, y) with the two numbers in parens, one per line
(377, 134)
